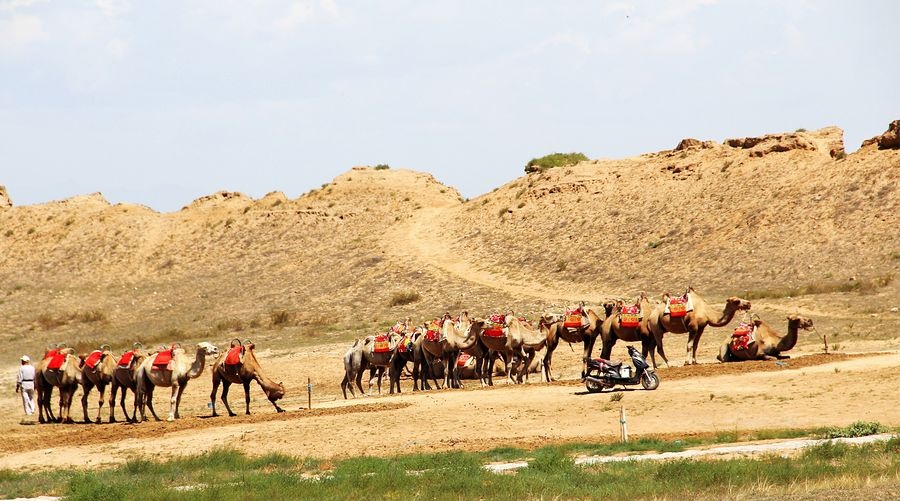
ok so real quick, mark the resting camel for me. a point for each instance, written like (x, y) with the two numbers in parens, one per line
(182, 370)
(455, 338)
(243, 373)
(693, 323)
(67, 378)
(611, 330)
(587, 335)
(767, 344)
(99, 376)
(124, 377)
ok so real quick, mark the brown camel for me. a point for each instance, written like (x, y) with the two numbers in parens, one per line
(125, 378)
(97, 371)
(517, 346)
(67, 378)
(379, 362)
(176, 375)
(612, 329)
(693, 322)
(244, 372)
(585, 334)
(410, 350)
(765, 343)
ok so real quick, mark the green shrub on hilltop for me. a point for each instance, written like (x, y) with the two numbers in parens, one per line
(554, 160)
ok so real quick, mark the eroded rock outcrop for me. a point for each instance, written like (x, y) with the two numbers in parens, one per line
(694, 143)
(5, 202)
(772, 143)
(890, 140)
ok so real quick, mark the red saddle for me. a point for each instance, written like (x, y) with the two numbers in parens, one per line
(56, 360)
(163, 358)
(126, 359)
(463, 359)
(498, 318)
(742, 336)
(406, 344)
(234, 356)
(678, 306)
(382, 345)
(630, 316)
(433, 336)
(495, 330)
(93, 358)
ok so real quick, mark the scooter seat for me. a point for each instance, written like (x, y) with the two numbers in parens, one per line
(608, 363)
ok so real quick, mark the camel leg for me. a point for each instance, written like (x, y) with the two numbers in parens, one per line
(358, 378)
(149, 398)
(247, 395)
(648, 348)
(102, 389)
(548, 359)
(87, 386)
(226, 385)
(588, 349)
(216, 380)
(65, 400)
(696, 343)
(113, 390)
(177, 399)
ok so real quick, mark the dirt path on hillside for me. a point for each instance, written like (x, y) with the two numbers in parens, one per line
(811, 391)
(420, 244)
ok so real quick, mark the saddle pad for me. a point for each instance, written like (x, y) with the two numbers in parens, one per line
(234, 356)
(573, 321)
(126, 359)
(463, 359)
(433, 336)
(57, 360)
(163, 358)
(630, 316)
(677, 307)
(742, 336)
(93, 358)
(382, 347)
(406, 345)
(498, 318)
(494, 331)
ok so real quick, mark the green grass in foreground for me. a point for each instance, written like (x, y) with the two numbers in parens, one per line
(227, 474)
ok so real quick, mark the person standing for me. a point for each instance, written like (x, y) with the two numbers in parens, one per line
(25, 384)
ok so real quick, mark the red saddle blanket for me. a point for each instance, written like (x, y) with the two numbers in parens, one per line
(463, 359)
(433, 336)
(406, 345)
(56, 360)
(573, 321)
(495, 330)
(498, 318)
(163, 358)
(631, 316)
(234, 356)
(126, 359)
(93, 358)
(678, 307)
(381, 344)
(742, 337)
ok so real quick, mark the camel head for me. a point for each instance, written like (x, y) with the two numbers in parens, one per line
(802, 322)
(208, 349)
(737, 304)
(275, 393)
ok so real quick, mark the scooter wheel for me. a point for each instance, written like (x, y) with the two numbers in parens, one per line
(593, 386)
(649, 380)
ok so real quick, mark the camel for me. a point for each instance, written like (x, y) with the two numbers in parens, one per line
(378, 363)
(612, 329)
(693, 323)
(360, 356)
(243, 373)
(587, 335)
(455, 338)
(354, 365)
(412, 353)
(519, 344)
(99, 376)
(176, 375)
(124, 377)
(67, 378)
(767, 344)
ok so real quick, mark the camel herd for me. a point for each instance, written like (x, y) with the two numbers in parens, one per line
(141, 373)
(470, 346)
(449, 349)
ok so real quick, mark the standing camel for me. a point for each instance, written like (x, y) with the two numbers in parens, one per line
(524, 343)
(97, 371)
(354, 366)
(175, 374)
(379, 361)
(243, 372)
(585, 334)
(125, 378)
(612, 329)
(456, 336)
(693, 322)
(765, 343)
(409, 350)
(59, 368)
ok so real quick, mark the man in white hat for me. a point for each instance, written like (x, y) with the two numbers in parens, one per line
(25, 383)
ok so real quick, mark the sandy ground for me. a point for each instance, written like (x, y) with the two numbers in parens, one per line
(806, 391)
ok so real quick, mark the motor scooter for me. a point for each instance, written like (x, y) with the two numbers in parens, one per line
(602, 374)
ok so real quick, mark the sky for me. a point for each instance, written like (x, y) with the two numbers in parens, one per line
(161, 102)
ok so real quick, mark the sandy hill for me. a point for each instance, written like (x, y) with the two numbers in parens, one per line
(754, 214)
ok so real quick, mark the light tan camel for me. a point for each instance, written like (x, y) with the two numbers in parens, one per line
(767, 344)
(611, 330)
(556, 332)
(456, 337)
(99, 376)
(693, 323)
(181, 370)
(67, 378)
(378, 363)
(125, 378)
(243, 373)
(524, 343)
(354, 366)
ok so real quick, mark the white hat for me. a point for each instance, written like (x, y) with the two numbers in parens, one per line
(26, 358)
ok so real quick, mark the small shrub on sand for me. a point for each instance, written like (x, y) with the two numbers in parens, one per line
(382, 167)
(400, 298)
(554, 160)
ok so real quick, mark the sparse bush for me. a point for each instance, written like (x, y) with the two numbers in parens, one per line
(31, 230)
(840, 155)
(554, 160)
(654, 244)
(246, 210)
(400, 298)
(229, 222)
(279, 317)
(801, 129)
(68, 222)
(48, 321)
(279, 201)
(521, 204)
(616, 397)
(856, 429)
(8, 233)
(502, 212)
(230, 325)
(863, 286)
(561, 265)
(89, 316)
(382, 167)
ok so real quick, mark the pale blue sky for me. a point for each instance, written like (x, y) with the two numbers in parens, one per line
(159, 102)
